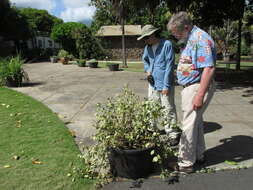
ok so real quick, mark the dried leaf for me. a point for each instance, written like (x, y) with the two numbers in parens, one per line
(7, 166)
(16, 157)
(36, 162)
(73, 133)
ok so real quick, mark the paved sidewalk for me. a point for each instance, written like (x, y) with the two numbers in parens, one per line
(73, 93)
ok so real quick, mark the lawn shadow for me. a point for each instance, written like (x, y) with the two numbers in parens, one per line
(236, 148)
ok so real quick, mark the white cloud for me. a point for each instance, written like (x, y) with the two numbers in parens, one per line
(77, 10)
(38, 4)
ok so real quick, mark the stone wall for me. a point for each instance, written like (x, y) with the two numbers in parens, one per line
(113, 47)
(131, 53)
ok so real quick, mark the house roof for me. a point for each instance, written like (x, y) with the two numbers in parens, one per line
(115, 30)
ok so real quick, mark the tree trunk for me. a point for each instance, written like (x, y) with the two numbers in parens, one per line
(124, 62)
(239, 45)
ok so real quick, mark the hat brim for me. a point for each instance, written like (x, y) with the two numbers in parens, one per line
(148, 34)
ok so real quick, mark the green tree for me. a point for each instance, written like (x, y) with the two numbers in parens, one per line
(87, 45)
(15, 25)
(40, 20)
(63, 33)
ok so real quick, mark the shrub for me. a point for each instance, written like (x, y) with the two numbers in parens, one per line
(87, 45)
(11, 71)
(125, 122)
(63, 53)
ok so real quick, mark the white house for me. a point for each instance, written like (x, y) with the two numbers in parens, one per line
(43, 42)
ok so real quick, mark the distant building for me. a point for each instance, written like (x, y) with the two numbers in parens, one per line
(43, 41)
(111, 37)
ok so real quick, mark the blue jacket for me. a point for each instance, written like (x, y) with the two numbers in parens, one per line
(161, 65)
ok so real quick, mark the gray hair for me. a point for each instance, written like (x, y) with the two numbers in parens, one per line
(179, 20)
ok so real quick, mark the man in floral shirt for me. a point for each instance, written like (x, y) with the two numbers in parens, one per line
(195, 73)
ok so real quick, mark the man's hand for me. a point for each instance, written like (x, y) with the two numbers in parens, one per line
(197, 102)
(165, 92)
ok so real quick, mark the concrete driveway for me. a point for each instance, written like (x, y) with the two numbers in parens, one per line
(73, 92)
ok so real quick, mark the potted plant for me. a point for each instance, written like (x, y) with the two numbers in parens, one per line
(54, 59)
(93, 63)
(64, 56)
(81, 63)
(113, 66)
(127, 143)
(11, 72)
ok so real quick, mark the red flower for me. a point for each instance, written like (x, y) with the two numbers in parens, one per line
(185, 73)
(209, 42)
(201, 59)
(193, 67)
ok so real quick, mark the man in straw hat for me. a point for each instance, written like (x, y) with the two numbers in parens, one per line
(195, 73)
(159, 61)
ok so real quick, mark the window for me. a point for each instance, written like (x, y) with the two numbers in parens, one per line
(40, 43)
(50, 43)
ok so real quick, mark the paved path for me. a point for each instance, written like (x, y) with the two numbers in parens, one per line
(73, 93)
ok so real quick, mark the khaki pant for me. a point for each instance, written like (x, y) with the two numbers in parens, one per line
(192, 142)
(170, 108)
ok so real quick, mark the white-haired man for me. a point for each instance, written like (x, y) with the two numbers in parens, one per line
(195, 73)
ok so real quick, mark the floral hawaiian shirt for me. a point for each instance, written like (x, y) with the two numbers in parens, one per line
(198, 53)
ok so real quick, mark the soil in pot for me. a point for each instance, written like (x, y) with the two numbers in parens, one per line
(113, 67)
(132, 164)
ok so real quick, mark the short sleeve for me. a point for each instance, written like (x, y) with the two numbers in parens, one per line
(203, 54)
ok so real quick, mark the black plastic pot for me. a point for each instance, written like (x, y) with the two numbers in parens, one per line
(93, 64)
(113, 67)
(131, 164)
(14, 82)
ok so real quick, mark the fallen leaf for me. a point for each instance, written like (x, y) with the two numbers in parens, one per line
(11, 114)
(69, 174)
(73, 133)
(7, 166)
(36, 162)
(7, 106)
(16, 157)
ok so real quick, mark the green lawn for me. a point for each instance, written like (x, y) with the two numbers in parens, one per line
(37, 152)
(138, 65)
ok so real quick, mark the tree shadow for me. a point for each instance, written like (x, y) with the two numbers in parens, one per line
(211, 126)
(236, 148)
(231, 78)
(31, 84)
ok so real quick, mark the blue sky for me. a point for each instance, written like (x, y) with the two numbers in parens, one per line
(68, 10)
